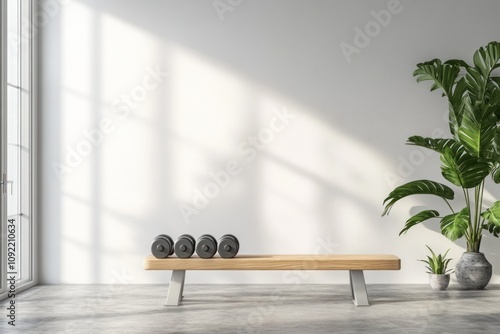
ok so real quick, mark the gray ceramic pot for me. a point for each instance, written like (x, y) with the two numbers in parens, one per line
(473, 271)
(439, 282)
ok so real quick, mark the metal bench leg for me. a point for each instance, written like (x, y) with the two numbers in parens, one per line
(358, 288)
(176, 288)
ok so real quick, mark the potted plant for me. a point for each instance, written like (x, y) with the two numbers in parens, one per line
(437, 266)
(468, 156)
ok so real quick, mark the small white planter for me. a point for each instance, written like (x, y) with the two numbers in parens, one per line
(439, 282)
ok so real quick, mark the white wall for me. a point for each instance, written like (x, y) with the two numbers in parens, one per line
(316, 185)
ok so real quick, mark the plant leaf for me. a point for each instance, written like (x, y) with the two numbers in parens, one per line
(492, 215)
(419, 187)
(463, 170)
(478, 77)
(418, 218)
(495, 174)
(445, 76)
(478, 130)
(492, 228)
(437, 264)
(457, 62)
(458, 167)
(455, 225)
(442, 75)
(496, 142)
(437, 144)
(458, 102)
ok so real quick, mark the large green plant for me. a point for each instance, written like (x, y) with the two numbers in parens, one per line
(473, 151)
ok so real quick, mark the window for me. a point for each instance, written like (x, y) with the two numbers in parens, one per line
(17, 145)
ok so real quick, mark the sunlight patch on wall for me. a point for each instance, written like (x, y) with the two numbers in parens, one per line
(77, 40)
(108, 118)
(318, 176)
(211, 108)
(330, 155)
(302, 178)
(126, 54)
(76, 116)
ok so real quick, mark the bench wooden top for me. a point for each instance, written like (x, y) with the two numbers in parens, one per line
(279, 262)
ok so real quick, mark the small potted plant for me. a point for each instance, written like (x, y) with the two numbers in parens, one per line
(437, 266)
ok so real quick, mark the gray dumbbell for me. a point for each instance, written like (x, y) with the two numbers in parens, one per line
(206, 246)
(184, 246)
(228, 246)
(162, 246)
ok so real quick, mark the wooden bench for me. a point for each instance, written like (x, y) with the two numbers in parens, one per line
(354, 263)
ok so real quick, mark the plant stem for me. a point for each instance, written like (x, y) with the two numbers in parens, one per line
(480, 206)
(475, 225)
(467, 199)
(449, 205)
(470, 230)
(476, 202)
(479, 227)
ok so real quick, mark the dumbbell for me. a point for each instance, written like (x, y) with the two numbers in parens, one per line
(206, 246)
(184, 246)
(162, 246)
(228, 246)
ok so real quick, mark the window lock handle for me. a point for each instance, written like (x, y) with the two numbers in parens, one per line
(4, 182)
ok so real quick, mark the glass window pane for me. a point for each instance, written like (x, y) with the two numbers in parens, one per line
(18, 137)
(25, 222)
(13, 146)
(24, 241)
(24, 39)
(13, 42)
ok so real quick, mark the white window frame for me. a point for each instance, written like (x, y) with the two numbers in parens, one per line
(33, 135)
(3, 163)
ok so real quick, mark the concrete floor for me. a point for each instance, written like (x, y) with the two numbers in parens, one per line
(253, 309)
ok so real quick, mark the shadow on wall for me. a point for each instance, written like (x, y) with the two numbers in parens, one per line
(159, 117)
